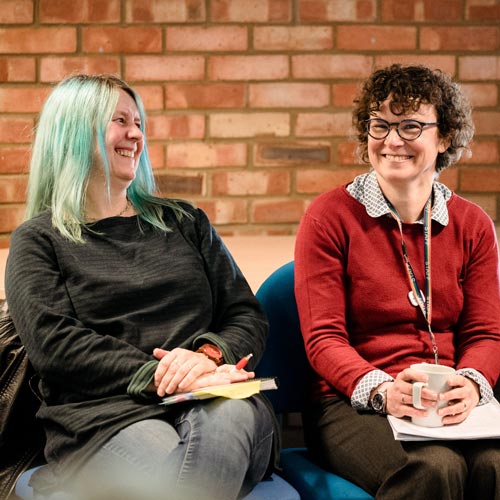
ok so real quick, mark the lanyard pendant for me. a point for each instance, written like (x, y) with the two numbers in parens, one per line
(413, 299)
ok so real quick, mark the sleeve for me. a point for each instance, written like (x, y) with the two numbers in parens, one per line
(478, 339)
(320, 260)
(239, 325)
(64, 352)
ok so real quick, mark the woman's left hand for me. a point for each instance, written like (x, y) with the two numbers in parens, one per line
(182, 370)
(461, 399)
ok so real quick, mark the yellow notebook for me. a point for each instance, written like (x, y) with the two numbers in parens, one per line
(237, 390)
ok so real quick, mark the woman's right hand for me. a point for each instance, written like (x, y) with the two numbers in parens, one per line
(400, 395)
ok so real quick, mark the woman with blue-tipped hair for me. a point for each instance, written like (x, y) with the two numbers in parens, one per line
(122, 297)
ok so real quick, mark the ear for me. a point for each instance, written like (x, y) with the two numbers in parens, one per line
(444, 144)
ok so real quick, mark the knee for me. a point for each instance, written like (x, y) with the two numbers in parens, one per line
(442, 466)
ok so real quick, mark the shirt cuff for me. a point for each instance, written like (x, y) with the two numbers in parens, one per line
(361, 394)
(485, 390)
(140, 386)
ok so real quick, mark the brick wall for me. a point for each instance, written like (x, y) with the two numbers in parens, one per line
(248, 100)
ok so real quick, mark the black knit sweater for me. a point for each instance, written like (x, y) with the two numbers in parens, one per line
(90, 315)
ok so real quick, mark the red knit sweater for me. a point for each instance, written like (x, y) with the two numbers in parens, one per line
(352, 290)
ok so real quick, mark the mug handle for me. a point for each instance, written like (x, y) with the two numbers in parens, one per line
(417, 394)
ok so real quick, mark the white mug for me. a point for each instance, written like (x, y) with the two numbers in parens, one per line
(438, 375)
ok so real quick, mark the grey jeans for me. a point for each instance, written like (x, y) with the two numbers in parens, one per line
(216, 449)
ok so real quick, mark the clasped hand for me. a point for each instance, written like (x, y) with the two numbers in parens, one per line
(182, 370)
(461, 398)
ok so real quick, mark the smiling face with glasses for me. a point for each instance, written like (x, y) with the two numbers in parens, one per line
(404, 148)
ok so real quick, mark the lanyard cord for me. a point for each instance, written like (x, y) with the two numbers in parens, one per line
(424, 304)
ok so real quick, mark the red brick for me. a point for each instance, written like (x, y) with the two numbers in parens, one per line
(165, 11)
(29, 41)
(180, 185)
(318, 181)
(480, 179)
(285, 38)
(449, 177)
(250, 183)
(257, 11)
(206, 155)
(344, 94)
(289, 95)
(22, 100)
(10, 217)
(487, 122)
(66, 11)
(104, 39)
(17, 69)
(277, 211)
(291, 153)
(151, 96)
(271, 67)
(13, 189)
(14, 160)
(16, 12)
(323, 124)
(335, 10)
(164, 68)
(331, 66)
(456, 38)
(479, 67)
(347, 153)
(484, 13)
(175, 127)
(376, 38)
(203, 96)
(445, 63)
(426, 10)
(156, 155)
(483, 152)
(54, 69)
(207, 39)
(481, 94)
(225, 211)
(249, 124)
(16, 130)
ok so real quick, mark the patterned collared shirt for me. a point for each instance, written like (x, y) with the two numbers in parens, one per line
(366, 190)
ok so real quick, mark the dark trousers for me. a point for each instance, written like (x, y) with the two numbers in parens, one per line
(360, 447)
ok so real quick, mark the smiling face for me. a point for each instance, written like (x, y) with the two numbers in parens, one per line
(124, 140)
(396, 160)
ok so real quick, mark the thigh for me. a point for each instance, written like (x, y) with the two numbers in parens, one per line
(483, 462)
(358, 446)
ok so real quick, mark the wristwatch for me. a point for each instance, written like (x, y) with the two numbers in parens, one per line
(379, 401)
(212, 352)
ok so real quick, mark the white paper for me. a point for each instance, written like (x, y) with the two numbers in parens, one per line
(482, 423)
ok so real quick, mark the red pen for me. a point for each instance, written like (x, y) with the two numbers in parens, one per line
(243, 362)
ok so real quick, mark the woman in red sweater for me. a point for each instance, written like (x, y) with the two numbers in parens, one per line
(394, 269)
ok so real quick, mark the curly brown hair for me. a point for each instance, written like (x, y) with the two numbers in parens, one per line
(408, 87)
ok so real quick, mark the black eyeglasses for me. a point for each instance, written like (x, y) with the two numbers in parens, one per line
(409, 130)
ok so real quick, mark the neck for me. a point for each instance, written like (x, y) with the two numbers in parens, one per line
(101, 207)
(409, 202)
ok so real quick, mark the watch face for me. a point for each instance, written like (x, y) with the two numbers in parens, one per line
(213, 351)
(378, 402)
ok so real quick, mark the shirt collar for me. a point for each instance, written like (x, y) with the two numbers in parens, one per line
(366, 190)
